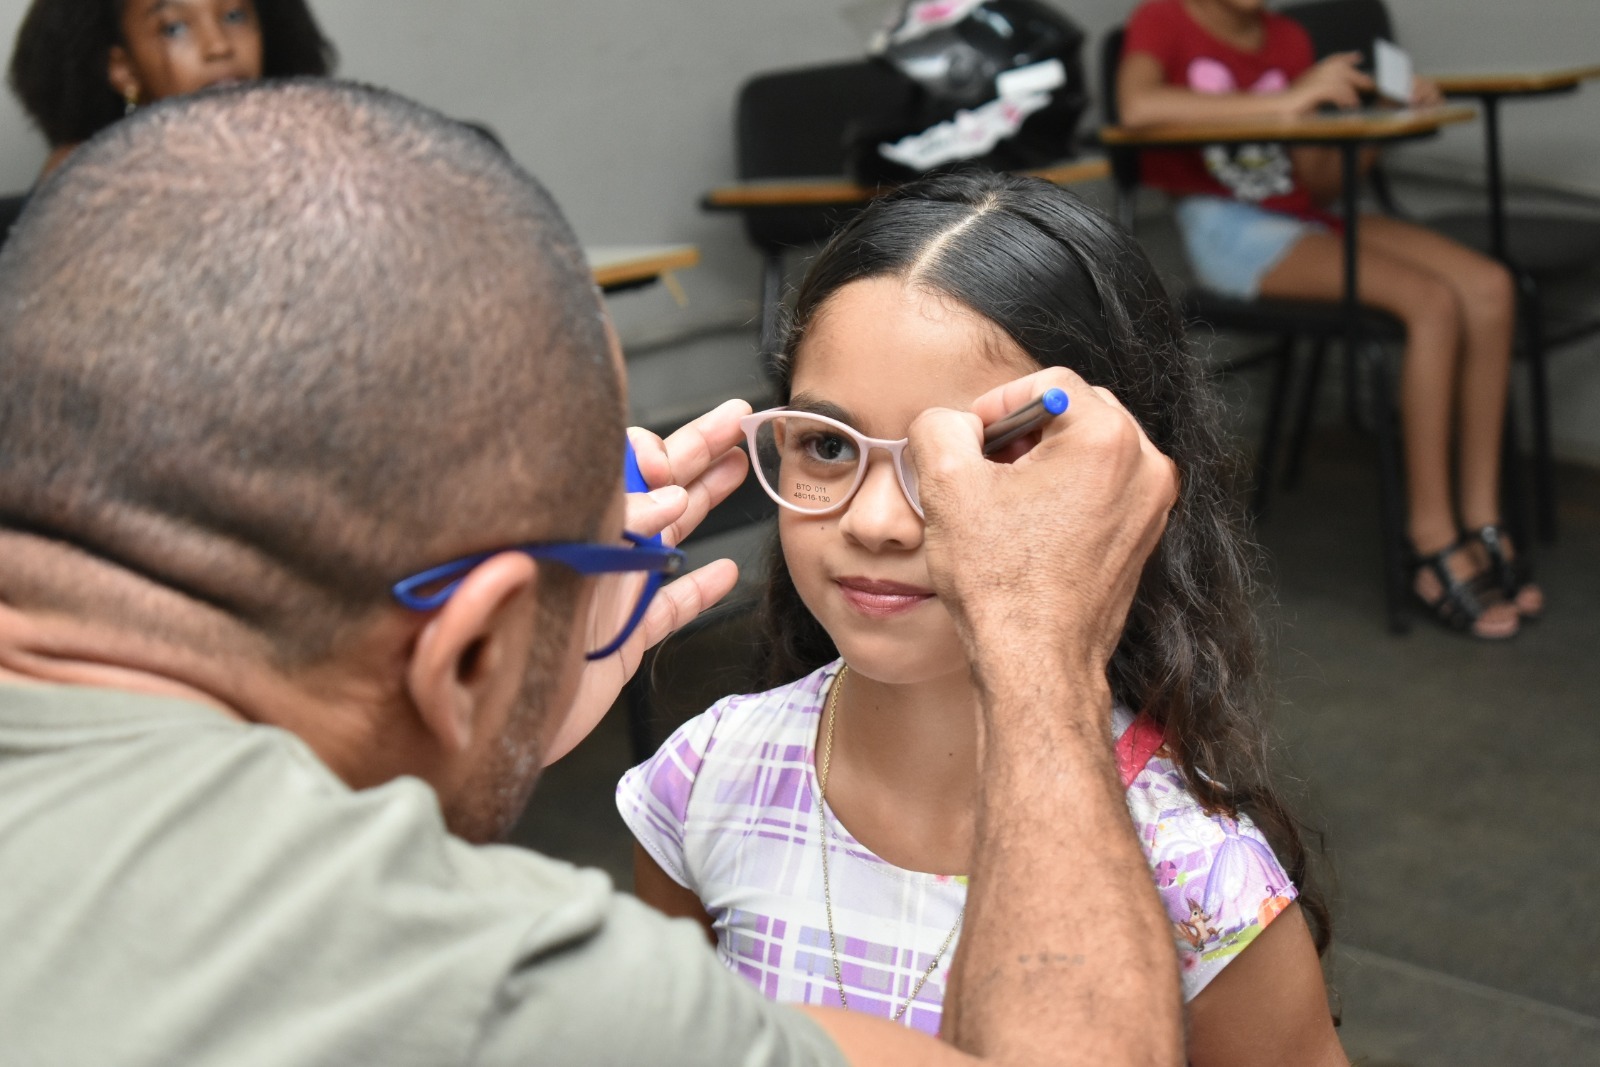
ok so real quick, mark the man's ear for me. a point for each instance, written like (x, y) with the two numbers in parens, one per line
(470, 660)
(120, 74)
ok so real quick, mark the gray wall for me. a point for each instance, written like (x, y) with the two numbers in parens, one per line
(624, 108)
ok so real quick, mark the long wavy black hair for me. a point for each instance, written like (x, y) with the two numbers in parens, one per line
(59, 61)
(1073, 289)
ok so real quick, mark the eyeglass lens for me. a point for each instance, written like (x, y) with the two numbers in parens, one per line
(810, 464)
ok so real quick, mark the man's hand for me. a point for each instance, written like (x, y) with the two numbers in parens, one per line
(690, 472)
(1038, 561)
(1043, 553)
(1336, 80)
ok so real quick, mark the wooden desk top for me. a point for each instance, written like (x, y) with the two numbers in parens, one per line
(617, 265)
(1375, 125)
(1514, 83)
(821, 192)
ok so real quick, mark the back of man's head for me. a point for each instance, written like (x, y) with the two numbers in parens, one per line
(271, 349)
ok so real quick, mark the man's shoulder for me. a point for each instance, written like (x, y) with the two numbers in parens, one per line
(172, 843)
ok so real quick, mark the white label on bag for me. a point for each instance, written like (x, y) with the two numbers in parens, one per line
(928, 15)
(1034, 78)
(968, 135)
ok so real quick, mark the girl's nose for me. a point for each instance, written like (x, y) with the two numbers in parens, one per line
(215, 40)
(879, 517)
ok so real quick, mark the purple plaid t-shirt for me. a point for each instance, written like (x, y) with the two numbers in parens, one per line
(727, 808)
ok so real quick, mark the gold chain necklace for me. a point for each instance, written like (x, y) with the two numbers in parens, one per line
(827, 889)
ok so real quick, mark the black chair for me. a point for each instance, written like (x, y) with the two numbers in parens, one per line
(800, 124)
(1541, 249)
(10, 209)
(1288, 322)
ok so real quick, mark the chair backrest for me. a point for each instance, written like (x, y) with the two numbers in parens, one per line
(799, 123)
(1124, 161)
(1342, 25)
(10, 208)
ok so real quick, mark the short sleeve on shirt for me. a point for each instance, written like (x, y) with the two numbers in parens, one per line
(653, 798)
(1153, 31)
(636, 967)
(1219, 880)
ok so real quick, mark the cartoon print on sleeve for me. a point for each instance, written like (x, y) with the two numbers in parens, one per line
(1251, 172)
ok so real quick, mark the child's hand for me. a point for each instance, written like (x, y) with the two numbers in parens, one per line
(1334, 81)
(1425, 92)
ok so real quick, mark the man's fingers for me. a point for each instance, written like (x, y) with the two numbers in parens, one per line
(651, 454)
(706, 492)
(943, 440)
(650, 513)
(688, 451)
(999, 402)
(684, 598)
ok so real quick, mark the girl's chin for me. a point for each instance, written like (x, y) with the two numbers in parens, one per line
(892, 663)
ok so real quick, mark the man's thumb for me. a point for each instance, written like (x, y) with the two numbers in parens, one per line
(944, 443)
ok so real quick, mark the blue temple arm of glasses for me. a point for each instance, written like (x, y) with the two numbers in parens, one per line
(646, 554)
(646, 595)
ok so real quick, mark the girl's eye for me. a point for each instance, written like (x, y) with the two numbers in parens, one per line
(238, 16)
(172, 30)
(829, 447)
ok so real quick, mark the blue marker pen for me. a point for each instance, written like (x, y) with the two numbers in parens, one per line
(1023, 421)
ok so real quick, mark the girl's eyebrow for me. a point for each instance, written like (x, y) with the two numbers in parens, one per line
(814, 405)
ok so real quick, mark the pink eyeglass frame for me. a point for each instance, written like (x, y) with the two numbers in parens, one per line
(896, 449)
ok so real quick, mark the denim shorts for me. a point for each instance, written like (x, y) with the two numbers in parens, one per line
(1232, 245)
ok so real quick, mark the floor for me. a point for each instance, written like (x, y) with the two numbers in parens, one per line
(1455, 780)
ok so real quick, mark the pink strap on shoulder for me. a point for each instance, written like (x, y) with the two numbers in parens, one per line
(1135, 747)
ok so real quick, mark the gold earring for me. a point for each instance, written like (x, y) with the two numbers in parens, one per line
(131, 99)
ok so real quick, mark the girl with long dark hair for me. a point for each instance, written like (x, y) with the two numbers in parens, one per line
(821, 830)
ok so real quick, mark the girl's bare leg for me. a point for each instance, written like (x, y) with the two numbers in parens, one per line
(1430, 374)
(1486, 295)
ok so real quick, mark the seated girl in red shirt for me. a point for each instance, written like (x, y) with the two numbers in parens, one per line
(1253, 225)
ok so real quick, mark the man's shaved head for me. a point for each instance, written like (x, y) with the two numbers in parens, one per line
(274, 348)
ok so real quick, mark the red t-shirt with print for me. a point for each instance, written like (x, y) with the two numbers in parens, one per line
(1192, 58)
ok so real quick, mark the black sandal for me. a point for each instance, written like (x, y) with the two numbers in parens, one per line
(1461, 603)
(1510, 575)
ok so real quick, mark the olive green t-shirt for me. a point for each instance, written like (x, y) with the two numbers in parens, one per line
(179, 888)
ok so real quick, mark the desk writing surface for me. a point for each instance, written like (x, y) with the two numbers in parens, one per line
(622, 264)
(1513, 83)
(821, 191)
(1366, 125)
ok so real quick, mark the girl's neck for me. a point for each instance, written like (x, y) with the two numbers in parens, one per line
(1243, 30)
(903, 773)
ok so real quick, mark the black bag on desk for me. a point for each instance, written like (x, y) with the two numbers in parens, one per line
(996, 83)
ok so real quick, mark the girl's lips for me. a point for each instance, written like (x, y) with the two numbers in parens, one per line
(879, 599)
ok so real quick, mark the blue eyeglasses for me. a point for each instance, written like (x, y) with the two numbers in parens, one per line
(629, 573)
(635, 570)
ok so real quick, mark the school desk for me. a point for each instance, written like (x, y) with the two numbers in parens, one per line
(841, 192)
(618, 267)
(1489, 89)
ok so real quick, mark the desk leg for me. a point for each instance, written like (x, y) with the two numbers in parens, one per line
(1494, 176)
(1529, 312)
(1384, 412)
